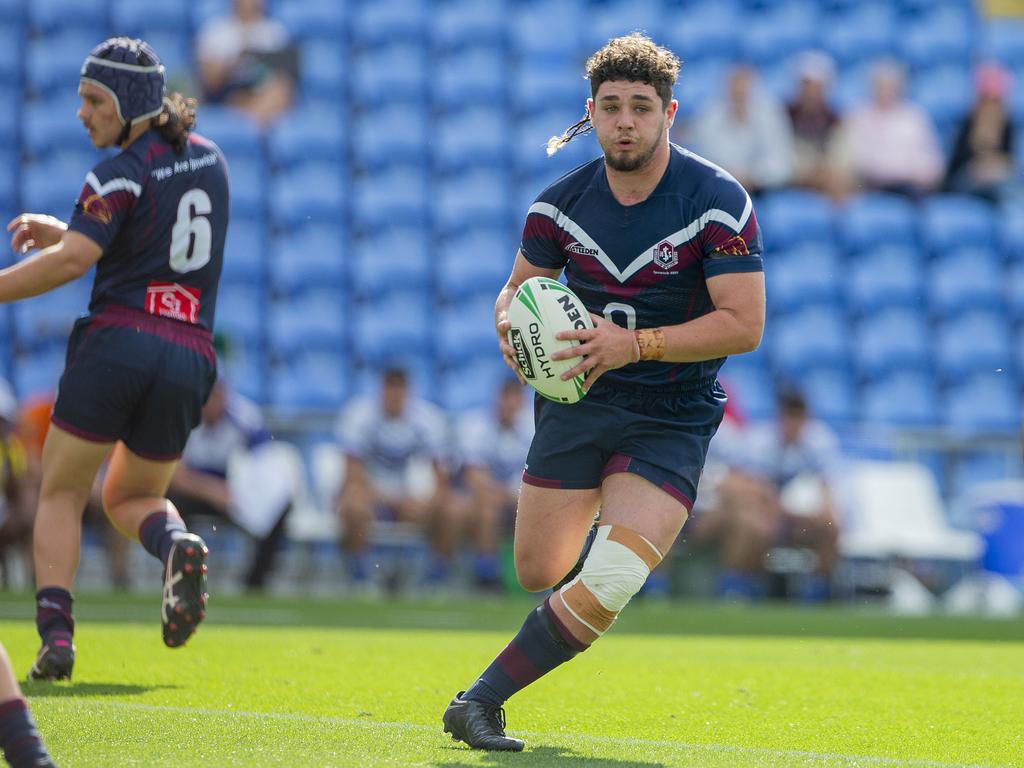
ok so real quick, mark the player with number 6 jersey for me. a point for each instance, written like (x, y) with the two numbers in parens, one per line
(152, 220)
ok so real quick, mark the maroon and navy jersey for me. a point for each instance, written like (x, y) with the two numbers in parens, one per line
(161, 219)
(647, 265)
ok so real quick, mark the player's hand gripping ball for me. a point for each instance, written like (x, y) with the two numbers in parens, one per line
(541, 308)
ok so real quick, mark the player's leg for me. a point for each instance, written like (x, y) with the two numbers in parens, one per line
(550, 526)
(356, 503)
(19, 738)
(69, 465)
(134, 497)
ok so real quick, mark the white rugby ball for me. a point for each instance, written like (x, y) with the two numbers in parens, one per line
(540, 308)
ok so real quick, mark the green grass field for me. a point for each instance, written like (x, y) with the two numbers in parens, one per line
(274, 682)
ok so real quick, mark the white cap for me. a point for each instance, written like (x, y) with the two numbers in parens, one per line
(8, 402)
(817, 66)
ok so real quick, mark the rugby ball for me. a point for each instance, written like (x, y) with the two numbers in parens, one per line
(540, 308)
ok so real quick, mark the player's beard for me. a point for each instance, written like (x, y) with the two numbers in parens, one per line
(625, 164)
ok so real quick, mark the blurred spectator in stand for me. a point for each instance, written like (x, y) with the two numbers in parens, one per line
(889, 144)
(814, 124)
(33, 425)
(747, 133)
(17, 498)
(776, 486)
(231, 471)
(247, 60)
(492, 446)
(982, 159)
(396, 450)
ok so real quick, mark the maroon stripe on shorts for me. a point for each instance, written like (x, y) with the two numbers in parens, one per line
(193, 337)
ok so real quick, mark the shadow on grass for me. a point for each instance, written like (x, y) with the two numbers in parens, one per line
(43, 689)
(549, 756)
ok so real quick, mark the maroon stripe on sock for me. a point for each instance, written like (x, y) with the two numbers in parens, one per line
(11, 706)
(571, 640)
(517, 666)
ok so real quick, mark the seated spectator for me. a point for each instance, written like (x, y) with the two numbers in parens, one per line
(17, 499)
(388, 441)
(229, 440)
(776, 486)
(982, 159)
(492, 447)
(747, 133)
(247, 60)
(814, 123)
(889, 144)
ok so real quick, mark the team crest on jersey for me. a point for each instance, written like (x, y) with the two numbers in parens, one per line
(665, 255)
(734, 246)
(95, 207)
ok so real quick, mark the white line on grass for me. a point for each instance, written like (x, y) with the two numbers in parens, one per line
(855, 760)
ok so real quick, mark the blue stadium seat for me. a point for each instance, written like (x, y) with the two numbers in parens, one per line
(530, 136)
(806, 273)
(1015, 293)
(852, 86)
(531, 26)
(247, 371)
(613, 18)
(129, 17)
(541, 87)
(55, 61)
(313, 319)
(474, 136)
(945, 92)
(964, 279)
(943, 35)
(795, 216)
(38, 372)
(692, 35)
(392, 325)
(51, 132)
(985, 402)
(1003, 40)
(248, 185)
(812, 336)
(389, 21)
(750, 386)
(1010, 218)
(700, 82)
(864, 31)
(205, 10)
(396, 193)
(174, 46)
(456, 22)
(891, 339)
(948, 220)
(47, 16)
(241, 310)
(237, 134)
(901, 399)
(830, 393)
(309, 194)
(309, 380)
(474, 259)
(472, 74)
(12, 54)
(308, 134)
(324, 68)
(465, 330)
(395, 256)
(245, 251)
(875, 219)
(48, 317)
(477, 197)
(473, 384)
(306, 19)
(973, 342)
(404, 142)
(51, 188)
(386, 72)
(884, 277)
(314, 254)
(779, 32)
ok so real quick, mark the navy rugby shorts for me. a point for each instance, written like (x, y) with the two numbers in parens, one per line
(133, 377)
(661, 436)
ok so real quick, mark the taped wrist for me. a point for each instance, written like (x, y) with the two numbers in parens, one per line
(619, 563)
(651, 342)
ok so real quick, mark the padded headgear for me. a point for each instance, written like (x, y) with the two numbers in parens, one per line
(131, 72)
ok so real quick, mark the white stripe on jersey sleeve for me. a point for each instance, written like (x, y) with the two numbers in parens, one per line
(113, 185)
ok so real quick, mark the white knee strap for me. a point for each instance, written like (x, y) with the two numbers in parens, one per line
(619, 563)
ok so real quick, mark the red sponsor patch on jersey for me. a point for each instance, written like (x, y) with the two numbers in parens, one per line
(95, 207)
(174, 301)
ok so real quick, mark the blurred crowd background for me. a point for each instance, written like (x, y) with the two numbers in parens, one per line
(383, 154)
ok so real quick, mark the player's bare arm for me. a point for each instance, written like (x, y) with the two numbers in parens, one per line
(35, 231)
(66, 260)
(522, 270)
(733, 327)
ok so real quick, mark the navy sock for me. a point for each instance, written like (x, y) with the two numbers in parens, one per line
(542, 644)
(53, 613)
(158, 533)
(18, 735)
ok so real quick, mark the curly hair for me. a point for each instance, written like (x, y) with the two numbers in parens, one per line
(634, 57)
(176, 120)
